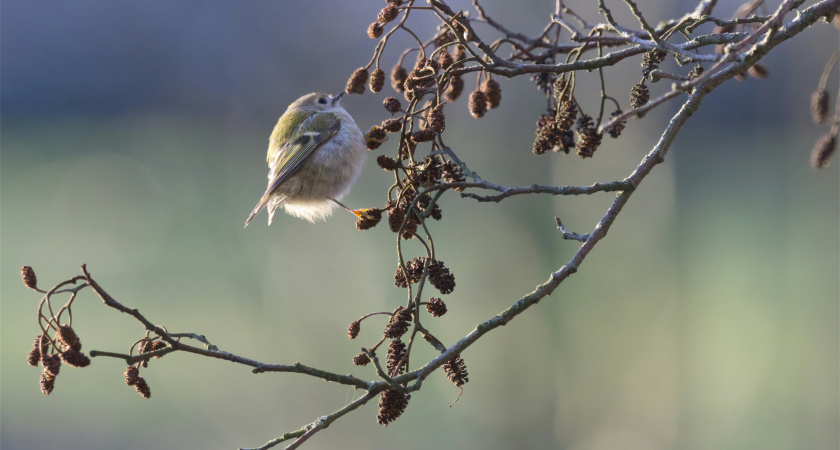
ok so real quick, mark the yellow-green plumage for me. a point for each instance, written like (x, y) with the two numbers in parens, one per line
(286, 127)
(315, 154)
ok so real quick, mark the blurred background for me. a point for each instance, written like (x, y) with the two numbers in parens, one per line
(133, 140)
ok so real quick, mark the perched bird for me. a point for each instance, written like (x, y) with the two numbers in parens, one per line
(315, 154)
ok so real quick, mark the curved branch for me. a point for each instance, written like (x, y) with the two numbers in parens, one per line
(259, 367)
(306, 432)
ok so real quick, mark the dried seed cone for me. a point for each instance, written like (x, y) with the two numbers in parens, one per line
(52, 364)
(377, 80)
(445, 59)
(388, 14)
(493, 91)
(399, 279)
(819, 105)
(142, 387)
(410, 228)
(396, 329)
(67, 336)
(392, 105)
(396, 352)
(436, 307)
(396, 216)
(639, 95)
(144, 347)
(362, 359)
(38, 348)
(454, 89)
(356, 83)
(823, 151)
(398, 77)
(589, 138)
(29, 278)
(588, 143)
(615, 130)
(157, 345)
(369, 220)
(548, 135)
(651, 61)
(478, 104)
(541, 144)
(47, 383)
(441, 278)
(437, 121)
(460, 53)
(392, 125)
(456, 371)
(75, 358)
(375, 30)
(452, 173)
(392, 403)
(418, 80)
(386, 162)
(34, 356)
(150, 346)
(423, 135)
(398, 324)
(429, 174)
(560, 94)
(414, 268)
(131, 375)
(566, 115)
(353, 329)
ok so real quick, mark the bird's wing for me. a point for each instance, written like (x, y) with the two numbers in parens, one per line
(285, 161)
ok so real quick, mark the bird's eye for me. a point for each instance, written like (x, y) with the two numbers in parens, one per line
(322, 101)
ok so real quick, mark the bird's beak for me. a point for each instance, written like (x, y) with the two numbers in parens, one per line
(337, 97)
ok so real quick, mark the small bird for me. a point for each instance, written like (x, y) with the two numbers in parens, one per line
(315, 154)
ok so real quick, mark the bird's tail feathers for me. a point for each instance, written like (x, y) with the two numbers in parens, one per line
(257, 209)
